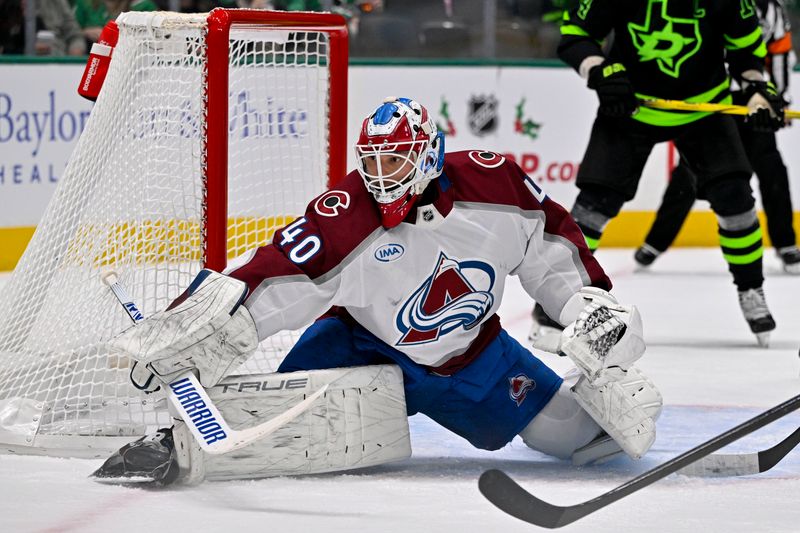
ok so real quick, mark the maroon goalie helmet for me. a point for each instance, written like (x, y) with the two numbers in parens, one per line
(399, 151)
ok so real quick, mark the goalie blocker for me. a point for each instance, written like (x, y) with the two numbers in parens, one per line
(360, 421)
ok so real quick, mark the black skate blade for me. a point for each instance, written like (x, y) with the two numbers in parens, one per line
(158, 477)
(135, 481)
(131, 480)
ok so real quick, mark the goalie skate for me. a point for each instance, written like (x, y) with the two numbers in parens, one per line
(150, 459)
(545, 331)
(599, 451)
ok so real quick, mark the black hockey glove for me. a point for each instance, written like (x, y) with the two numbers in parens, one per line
(764, 106)
(614, 89)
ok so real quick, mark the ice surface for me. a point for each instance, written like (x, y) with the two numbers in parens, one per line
(700, 354)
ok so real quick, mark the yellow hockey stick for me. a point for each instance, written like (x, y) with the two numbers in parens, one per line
(730, 109)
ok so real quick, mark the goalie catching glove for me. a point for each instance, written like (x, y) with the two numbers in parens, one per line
(206, 329)
(604, 340)
(604, 335)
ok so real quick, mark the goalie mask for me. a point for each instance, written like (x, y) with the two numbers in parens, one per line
(399, 151)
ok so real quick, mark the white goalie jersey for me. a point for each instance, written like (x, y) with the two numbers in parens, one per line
(431, 286)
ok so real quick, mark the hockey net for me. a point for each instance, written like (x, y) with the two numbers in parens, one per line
(210, 132)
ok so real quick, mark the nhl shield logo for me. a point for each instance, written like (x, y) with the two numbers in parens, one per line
(483, 117)
(518, 387)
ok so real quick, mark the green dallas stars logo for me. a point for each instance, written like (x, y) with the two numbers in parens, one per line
(670, 41)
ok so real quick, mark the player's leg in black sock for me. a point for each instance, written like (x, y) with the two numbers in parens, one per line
(678, 200)
(773, 183)
(742, 247)
(594, 207)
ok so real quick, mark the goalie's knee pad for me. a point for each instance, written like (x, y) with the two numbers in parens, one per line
(626, 407)
(360, 421)
(562, 426)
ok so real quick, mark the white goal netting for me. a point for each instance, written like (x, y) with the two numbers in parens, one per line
(134, 199)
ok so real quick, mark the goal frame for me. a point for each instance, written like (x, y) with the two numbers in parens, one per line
(25, 420)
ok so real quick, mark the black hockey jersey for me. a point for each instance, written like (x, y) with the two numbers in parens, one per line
(672, 49)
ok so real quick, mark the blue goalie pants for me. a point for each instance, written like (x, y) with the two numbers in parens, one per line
(488, 402)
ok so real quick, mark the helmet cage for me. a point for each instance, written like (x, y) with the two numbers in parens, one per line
(389, 182)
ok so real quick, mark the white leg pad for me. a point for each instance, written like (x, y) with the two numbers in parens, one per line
(626, 408)
(360, 421)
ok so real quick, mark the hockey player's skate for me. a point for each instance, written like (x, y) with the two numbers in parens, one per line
(150, 459)
(544, 328)
(601, 450)
(754, 308)
(645, 256)
(790, 257)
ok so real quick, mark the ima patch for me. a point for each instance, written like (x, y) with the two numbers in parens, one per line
(389, 252)
(329, 204)
(518, 387)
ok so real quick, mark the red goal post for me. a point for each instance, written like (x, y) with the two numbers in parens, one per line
(220, 22)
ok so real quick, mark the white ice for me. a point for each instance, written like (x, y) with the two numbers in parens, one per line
(700, 354)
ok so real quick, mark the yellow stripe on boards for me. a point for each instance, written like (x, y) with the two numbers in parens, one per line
(13, 242)
(630, 228)
(152, 242)
(626, 231)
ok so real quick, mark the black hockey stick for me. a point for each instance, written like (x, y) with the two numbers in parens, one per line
(509, 497)
(742, 464)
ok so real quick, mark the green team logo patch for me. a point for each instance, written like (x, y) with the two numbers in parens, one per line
(669, 41)
(585, 6)
(746, 8)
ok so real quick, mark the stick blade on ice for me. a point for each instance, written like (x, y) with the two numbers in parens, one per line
(505, 494)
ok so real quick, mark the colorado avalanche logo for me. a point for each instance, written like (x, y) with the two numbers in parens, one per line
(447, 300)
(330, 203)
(518, 387)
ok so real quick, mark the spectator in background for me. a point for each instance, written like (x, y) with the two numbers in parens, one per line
(57, 32)
(256, 4)
(204, 6)
(283, 5)
(351, 10)
(347, 8)
(298, 5)
(92, 15)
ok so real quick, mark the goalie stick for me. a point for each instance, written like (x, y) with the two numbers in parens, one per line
(191, 401)
(509, 497)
